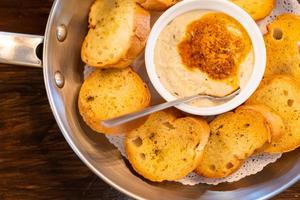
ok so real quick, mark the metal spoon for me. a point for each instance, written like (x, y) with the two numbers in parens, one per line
(147, 111)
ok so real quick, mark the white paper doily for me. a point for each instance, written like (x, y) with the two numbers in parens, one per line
(252, 165)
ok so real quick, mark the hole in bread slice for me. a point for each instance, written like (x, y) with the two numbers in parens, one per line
(137, 142)
(90, 98)
(212, 167)
(277, 34)
(229, 165)
(156, 152)
(143, 156)
(246, 125)
(290, 102)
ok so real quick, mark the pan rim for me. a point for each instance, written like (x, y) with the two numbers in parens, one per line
(49, 83)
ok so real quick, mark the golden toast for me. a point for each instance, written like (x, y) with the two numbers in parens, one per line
(274, 121)
(283, 47)
(257, 9)
(167, 147)
(118, 33)
(281, 94)
(234, 137)
(110, 93)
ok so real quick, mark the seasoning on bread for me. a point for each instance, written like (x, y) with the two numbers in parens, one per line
(110, 93)
(281, 94)
(118, 33)
(167, 147)
(234, 137)
(283, 47)
(157, 5)
(274, 121)
(257, 9)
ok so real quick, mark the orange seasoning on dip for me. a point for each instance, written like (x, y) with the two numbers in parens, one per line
(212, 46)
(203, 52)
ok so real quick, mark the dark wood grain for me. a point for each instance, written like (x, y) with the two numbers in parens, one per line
(35, 160)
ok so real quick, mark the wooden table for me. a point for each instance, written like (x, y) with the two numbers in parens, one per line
(35, 160)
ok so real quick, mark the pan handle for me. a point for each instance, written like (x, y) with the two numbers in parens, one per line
(21, 49)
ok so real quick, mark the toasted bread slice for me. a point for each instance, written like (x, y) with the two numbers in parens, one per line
(283, 47)
(274, 121)
(157, 5)
(110, 93)
(118, 33)
(234, 137)
(167, 147)
(257, 9)
(281, 93)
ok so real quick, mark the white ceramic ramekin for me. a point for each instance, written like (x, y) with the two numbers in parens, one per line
(220, 6)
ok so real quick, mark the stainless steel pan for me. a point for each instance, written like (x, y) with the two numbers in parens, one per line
(63, 76)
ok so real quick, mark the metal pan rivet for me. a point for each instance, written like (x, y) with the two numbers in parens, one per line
(59, 79)
(61, 33)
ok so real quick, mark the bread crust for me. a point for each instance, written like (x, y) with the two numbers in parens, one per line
(156, 5)
(139, 37)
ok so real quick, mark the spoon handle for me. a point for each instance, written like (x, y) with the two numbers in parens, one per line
(132, 116)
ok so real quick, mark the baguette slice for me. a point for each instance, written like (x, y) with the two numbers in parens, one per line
(283, 46)
(110, 93)
(257, 9)
(157, 5)
(118, 33)
(274, 121)
(281, 94)
(235, 136)
(167, 147)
